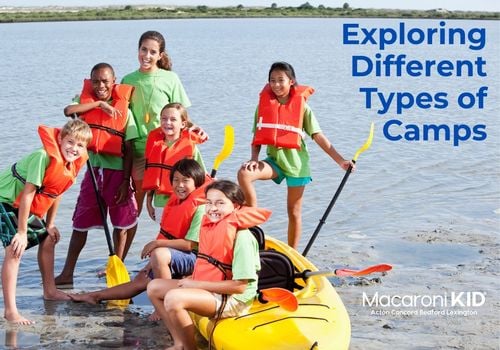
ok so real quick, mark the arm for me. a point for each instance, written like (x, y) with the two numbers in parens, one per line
(81, 108)
(253, 163)
(149, 205)
(127, 171)
(328, 148)
(50, 221)
(220, 287)
(179, 244)
(20, 240)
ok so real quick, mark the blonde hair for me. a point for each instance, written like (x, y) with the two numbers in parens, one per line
(78, 129)
(182, 110)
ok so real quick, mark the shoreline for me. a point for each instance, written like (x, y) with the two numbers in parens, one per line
(14, 14)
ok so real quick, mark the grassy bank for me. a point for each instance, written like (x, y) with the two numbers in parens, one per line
(11, 15)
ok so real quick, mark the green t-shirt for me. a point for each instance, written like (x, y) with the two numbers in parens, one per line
(246, 264)
(193, 233)
(160, 200)
(106, 161)
(152, 91)
(294, 162)
(32, 168)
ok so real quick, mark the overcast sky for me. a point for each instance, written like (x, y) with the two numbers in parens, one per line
(466, 5)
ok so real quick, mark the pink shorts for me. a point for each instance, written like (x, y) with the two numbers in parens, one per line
(87, 214)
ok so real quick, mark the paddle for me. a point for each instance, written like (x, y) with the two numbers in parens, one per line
(346, 272)
(283, 297)
(116, 272)
(339, 189)
(226, 150)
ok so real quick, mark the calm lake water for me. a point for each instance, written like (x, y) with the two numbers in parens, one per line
(399, 188)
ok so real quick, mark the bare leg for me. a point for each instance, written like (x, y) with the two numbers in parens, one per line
(139, 196)
(160, 262)
(246, 178)
(10, 270)
(76, 244)
(119, 240)
(122, 291)
(129, 238)
(46, 264)
(294, 208)
(177, 303)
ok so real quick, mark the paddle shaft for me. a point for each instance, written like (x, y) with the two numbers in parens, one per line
(345, 272)
(327, 211)
(101, 208)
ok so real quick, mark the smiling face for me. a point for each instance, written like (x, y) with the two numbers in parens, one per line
(149, 55)
(71, 147)
(217, 205)
(280, 84)
(171, 123)
(182, 185)
(103, 80)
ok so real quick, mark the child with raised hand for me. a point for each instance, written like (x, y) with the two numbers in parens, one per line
(103, 104)
(282, 120)
(31, 190)
(224, 280)
(166, 145)
(171, 252)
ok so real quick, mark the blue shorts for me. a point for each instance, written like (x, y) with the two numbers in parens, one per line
(290, 180)
(181, 263)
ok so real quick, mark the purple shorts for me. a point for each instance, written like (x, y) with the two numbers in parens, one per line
(87, 214)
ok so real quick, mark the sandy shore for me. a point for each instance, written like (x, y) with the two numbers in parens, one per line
(68, 325)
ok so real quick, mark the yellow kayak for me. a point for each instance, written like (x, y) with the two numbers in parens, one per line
(320, 322)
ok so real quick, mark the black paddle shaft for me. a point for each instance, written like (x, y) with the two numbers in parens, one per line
(101, 208)
(327, 212)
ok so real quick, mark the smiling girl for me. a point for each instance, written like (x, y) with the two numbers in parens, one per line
(224, 281)
(171, 142)
(282, 120)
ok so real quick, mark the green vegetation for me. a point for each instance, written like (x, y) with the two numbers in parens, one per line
(160, 12)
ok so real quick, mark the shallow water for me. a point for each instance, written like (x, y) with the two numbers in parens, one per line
(428, 208)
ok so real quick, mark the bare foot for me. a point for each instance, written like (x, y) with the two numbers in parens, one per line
(56, 295)
(174, 348)
(84, 297)
(63, 280)
(154, 317)
(16, 318)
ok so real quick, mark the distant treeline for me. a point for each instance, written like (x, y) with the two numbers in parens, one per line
(10, 15)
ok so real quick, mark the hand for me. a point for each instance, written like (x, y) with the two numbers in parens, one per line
(54, 234)
(187, 282)
(251, 165)
(148, 248)
(201, 133)
(112, 111)
(151, 210)
(345, 164)
(122, 193)
(19, 243)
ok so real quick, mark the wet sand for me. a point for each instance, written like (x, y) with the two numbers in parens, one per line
(68, 325)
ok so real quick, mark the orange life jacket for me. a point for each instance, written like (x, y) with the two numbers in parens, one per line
(177, 215)
(216, 245)
(160, 159)
(108, 133)
(59, 175)
(280, 125)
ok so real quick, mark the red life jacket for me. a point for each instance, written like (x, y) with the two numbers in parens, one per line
(108, 133)
(160, 159)
(216, 245)
(280, 125)
(177, 215)
(59, 175)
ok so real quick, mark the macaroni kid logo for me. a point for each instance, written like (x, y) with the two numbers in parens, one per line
(462, 304)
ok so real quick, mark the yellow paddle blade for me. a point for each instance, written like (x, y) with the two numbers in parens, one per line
(227, 148)
(367, 144)
(116, 272)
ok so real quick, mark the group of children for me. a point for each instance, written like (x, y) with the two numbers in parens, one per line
(142, 144)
